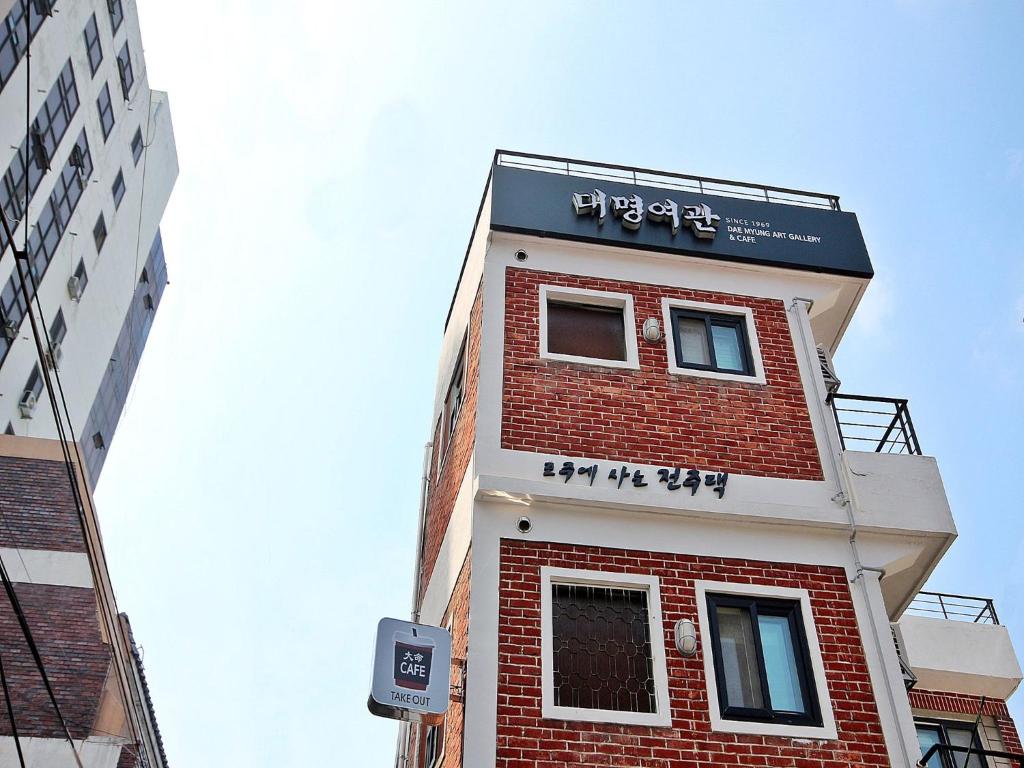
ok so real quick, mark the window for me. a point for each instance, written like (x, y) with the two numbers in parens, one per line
(106, 111)
(34, 383)
(602, 646)
(593, 327)
(92, 44)
(116, 14)
(99, 233)
(117, 189)
(454, 400)
(58, 328)
(34, 154)
(12, 37)
(953, 734)
(712, 340)
(433, 746)
(761, 660)
(137, 145)
(82, 276)
(124, 68)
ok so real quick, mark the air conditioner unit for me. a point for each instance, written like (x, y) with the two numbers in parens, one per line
(10, 329)
(54, 356)
(75, 287)
(76, 157)
(27, 404)
(43, 7)
(828, 371)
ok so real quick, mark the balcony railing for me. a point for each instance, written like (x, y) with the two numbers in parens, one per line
(951, 755)
(976, 610)
(879, 424)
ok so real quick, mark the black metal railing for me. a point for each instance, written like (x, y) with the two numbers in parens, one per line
(879, 424)
(681, 181)
(977, 610)
(948, 753)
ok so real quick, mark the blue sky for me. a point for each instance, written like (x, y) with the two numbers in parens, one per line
(259, 501)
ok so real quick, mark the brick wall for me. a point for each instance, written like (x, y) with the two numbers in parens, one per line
(37, 510)
(527, 741)
(65, 625)
(650, 416)
(458, 613)
(963, 704)
(445, 481)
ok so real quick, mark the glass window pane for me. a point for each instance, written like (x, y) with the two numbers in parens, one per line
(780, 664)
(693, 340)
(728, 349)
(926, 737)
(963, 737)
(739, 658)
(583, 331)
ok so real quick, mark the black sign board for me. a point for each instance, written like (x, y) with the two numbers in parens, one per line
(648, 218)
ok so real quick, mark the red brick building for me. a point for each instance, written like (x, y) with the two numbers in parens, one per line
(660, 532)
(53, 556)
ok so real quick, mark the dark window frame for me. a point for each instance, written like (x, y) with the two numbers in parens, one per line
(93, 46)
(770, 606)
(106, 111)
(452, 412)
(116, 11)
(118, 188)
(99, 232)
(711, 319)
(138, 145)
(947, 759)
(125, 71)
(434, 744)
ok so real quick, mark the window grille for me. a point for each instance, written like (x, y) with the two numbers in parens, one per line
(602, 649)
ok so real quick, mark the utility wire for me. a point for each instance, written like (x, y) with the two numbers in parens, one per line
(69, 465)
(10, 713)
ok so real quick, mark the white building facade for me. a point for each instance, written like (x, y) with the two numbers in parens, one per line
(101, 163)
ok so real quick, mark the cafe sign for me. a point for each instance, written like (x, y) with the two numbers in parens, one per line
(411, 671)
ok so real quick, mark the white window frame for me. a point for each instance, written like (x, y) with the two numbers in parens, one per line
(827, 730)
(585, 296)
(649, 584)
(668, 304)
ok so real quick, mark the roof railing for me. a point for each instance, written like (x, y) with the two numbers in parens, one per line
(976, 610)
(704, 185)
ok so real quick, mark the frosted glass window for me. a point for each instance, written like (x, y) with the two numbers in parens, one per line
(693, 340)
(739, 658)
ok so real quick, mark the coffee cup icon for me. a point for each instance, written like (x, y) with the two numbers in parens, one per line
(413, 656)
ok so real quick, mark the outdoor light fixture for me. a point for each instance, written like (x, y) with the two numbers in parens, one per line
(686, 637)
(652, 330)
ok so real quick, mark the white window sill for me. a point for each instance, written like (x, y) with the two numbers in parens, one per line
(742, 378)
(653, 719)
(598, 361)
